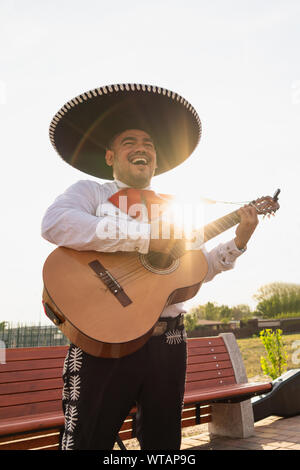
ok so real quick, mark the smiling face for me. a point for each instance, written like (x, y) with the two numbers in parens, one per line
(133, 158)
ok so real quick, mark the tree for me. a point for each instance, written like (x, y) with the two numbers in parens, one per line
(3, 325)
(211, 311)
(190, 321)
(241, 312)
(276, 298)
(225, 313)
(199, 311)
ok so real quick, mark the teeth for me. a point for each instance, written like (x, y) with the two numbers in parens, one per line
(139, 159)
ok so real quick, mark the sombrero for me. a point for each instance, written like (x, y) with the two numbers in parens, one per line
(81, 129)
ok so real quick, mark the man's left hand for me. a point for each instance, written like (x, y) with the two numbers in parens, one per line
(246, 227)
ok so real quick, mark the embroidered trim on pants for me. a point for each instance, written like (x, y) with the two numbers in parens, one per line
(71, 394)
(175, 336)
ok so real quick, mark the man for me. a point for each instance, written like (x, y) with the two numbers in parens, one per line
(99, 392)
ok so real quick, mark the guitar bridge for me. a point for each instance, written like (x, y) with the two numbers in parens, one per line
(110, 282)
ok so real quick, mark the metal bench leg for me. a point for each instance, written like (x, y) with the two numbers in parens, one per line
(120, 443)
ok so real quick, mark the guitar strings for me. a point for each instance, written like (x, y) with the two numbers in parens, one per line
(125, 268)
(136, 273)
(133, 274)
(122, 276)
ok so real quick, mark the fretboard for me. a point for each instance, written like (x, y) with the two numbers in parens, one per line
(209, 231)
(218, 226)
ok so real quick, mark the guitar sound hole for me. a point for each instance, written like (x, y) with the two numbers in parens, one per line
(159, 260)
(159, 263)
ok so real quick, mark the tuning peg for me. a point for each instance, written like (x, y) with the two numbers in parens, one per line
(276, 194)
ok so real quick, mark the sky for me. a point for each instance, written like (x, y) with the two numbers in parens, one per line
(236, 62)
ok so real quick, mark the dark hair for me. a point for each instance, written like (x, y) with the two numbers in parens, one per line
(111, 141)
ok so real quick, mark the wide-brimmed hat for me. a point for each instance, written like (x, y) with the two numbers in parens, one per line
(81, 130)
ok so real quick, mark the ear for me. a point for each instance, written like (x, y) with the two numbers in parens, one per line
(109, 157)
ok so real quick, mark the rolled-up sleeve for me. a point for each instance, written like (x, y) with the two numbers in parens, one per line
(72, 221)
(221, 258)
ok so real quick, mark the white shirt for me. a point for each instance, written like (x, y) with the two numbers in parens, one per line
(80, 216)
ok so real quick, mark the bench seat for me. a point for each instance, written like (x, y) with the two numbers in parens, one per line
(31, 423)
(227, 393)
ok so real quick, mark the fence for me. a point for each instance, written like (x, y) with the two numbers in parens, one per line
(39, 335)
(29, 336)
(248, 329)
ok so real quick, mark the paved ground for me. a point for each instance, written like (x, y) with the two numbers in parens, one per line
(272, 433)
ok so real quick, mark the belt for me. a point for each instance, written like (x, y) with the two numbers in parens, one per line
(166, 324)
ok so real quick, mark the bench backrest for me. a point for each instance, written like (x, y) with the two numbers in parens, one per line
(208, 364)
(31, 381)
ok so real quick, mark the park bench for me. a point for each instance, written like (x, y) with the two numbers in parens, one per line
(217, 392)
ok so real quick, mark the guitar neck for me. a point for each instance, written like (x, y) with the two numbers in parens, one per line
(209, 231)
(220, 225)
(265, 205)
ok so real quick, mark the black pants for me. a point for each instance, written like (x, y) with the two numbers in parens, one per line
(99, 393)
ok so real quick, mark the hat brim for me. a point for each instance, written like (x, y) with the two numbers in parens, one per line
(83, 127)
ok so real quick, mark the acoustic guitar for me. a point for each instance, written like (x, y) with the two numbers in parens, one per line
(108, 303)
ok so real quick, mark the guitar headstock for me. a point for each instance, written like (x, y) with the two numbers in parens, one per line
(267, 205)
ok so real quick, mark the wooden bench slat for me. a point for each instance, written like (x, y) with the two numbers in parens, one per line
(193, 422)
(204, 408)
(198, 359)
(192, 412)
(209, 374)
(27, 435)
(22, 376)
(28, 423)
(209, 366)
(207, 341)
(209, 383)
(53, 447)
(48, 447)
(30, 386)
(226, 391)
(28, 354)
(126, 425)
(34, 441)
(30, 397)
(207, 350)
(126, 435)
(30, 409)
(51, 363)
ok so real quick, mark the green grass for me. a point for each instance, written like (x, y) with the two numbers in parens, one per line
(252, 349)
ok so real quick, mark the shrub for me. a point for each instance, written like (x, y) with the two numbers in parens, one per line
(276, 362)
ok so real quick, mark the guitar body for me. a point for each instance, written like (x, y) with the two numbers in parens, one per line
(108, 303)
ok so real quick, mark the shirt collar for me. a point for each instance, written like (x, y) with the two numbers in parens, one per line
(122, 185)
